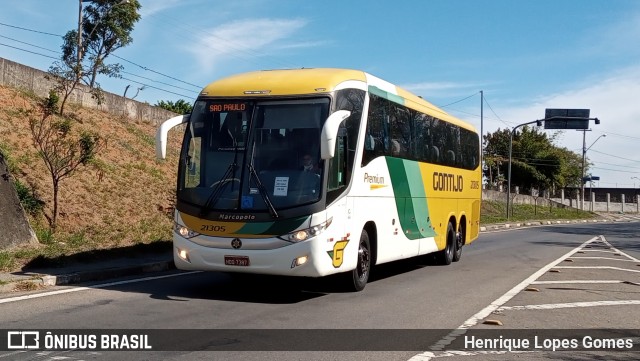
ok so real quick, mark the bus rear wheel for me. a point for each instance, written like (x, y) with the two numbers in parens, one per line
(360, 274)
(460, 237)
(445, 257)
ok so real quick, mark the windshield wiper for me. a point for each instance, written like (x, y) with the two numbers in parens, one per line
(228, 177)
(263, 191)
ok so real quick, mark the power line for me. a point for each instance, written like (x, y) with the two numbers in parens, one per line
(458, 101)
(494, 113)
(35, 46)
(616, 170)
(31, 30)
(159, 82)
(153, 71)
(115, 56)
(28, 51)
(615, 156)
(153, 87)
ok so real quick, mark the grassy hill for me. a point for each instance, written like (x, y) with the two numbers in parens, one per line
(125, 197)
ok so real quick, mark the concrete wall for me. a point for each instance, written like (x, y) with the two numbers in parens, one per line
(14, 226)
(33, 80)
(626, 205)
(519, 199)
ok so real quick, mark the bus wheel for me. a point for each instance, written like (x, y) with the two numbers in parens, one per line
(360, 275)
(445, 256)
(460, 236)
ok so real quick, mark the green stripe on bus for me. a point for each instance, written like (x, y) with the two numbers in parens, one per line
(411, 202)
(255, 228)
(389, 96)
(285, 226)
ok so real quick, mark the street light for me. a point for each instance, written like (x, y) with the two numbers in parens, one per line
(634, 183)
(538, 122)
(584, 153)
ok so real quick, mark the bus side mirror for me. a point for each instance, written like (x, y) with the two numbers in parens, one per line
(330, 133)
(161, 134)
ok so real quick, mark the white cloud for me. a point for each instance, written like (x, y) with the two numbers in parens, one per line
(246, 39)
(614, 99)
(152, 7)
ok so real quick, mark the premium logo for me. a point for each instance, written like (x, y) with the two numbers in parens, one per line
(236, 243)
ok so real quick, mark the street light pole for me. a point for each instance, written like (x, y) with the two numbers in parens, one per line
(509, 167)
(584, 154)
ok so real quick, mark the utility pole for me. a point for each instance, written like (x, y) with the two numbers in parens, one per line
(79, 51)
(481, 139)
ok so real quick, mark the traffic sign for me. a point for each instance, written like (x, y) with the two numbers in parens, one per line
(566, 119)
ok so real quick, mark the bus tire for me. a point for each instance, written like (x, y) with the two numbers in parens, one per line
(360, 274)
(445, 257)
(459, 243)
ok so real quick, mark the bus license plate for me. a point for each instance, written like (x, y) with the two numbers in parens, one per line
(236, 260)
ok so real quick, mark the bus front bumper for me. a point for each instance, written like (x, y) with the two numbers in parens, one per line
(304, 259)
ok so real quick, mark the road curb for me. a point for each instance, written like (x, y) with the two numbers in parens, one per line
(103, 274)
(517, 225)
(36, 281)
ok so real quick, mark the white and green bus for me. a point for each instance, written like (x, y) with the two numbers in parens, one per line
(393, 176)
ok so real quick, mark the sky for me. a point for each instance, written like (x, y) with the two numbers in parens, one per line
(525, 56)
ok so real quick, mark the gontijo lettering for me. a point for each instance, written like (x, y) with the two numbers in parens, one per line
(447, 182)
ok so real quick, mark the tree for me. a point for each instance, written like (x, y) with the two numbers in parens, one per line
(62, 150)
(179, 107)
(535, 163)
(106, 27)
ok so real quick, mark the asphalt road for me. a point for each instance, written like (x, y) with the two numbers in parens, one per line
(499, 279)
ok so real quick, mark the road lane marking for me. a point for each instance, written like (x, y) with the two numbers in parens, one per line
(599, 267)
(475, 319)
(553, 306)
(576, 281)
(619, 251)
(497, 304)
(606, 258)
(431, 355)
(102, 285)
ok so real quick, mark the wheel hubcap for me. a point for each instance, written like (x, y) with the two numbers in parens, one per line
(363, 261)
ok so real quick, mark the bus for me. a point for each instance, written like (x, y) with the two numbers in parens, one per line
(394, 176)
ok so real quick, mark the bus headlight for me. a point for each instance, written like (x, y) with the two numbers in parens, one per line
(184, 231)
(304, 234)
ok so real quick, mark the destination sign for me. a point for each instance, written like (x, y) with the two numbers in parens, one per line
(227, 107)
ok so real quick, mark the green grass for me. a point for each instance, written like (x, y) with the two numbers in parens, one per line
(495, 212)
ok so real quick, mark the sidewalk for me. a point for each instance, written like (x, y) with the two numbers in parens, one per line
(33, 278)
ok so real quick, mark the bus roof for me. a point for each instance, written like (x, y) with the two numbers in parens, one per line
(318, 81)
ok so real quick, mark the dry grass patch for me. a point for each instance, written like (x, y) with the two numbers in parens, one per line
(123, 198)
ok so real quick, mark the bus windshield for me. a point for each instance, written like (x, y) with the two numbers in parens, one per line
(252, 156)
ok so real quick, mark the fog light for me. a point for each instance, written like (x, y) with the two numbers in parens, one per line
(183, 255)
(299, 261)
